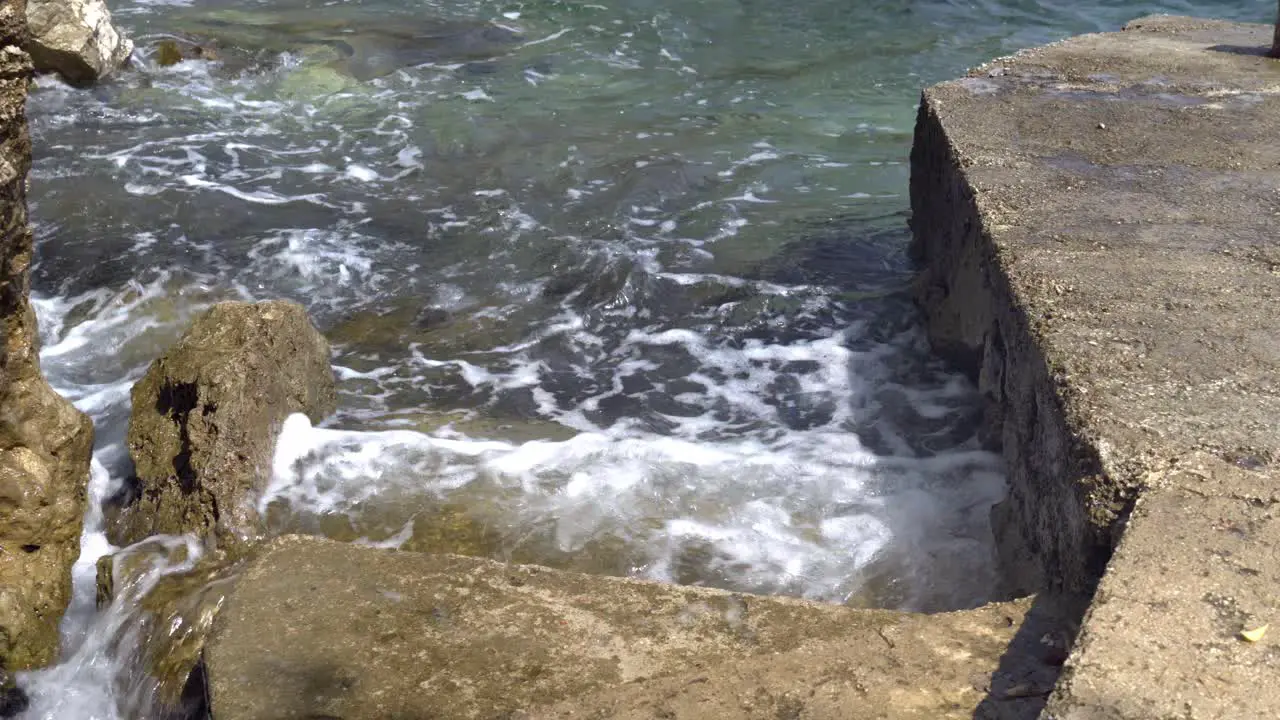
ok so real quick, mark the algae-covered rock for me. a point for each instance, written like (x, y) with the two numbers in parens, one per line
(312, 81)
(432, 526)
(171, 51)
(436, 331)
(76, 39)
(45, 443)
(167, 53)
(206, 416)
(476, 425)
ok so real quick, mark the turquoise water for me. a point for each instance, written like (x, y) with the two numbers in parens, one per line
(612, 286)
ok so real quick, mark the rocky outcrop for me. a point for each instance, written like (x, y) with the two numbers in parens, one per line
(74, 38)
(45, 443)
(206, 416)
(315, 628)
(170, 592)
(1275, 41)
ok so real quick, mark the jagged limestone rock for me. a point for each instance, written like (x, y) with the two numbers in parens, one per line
(206, 416)
(45, 443)
(75, 38)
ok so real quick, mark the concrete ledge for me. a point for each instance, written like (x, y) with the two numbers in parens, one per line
(319, 629)
(1197, 565)
(1098, 223)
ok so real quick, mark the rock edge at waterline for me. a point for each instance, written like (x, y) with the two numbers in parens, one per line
(45, 443)
(316, 628)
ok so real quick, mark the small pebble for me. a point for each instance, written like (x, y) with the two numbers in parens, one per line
(1102, 126)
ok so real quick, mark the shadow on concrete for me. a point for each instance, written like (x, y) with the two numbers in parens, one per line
(1259, 51)
(1019, 688)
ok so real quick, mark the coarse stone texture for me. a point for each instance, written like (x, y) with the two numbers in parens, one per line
(1199, 563)
(1097, 223)
(45, 443)
(316, 628)
(207, 414)
(75, 38)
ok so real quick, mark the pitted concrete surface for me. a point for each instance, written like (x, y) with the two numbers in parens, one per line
(321, 629)
(1197, 566)
(1098, 224)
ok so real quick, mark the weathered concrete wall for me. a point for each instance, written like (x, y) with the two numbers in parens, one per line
(45, 443)
(1098, 222)
(1054, 529)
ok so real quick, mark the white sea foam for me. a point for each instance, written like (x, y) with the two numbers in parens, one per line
(772, 503)
(314, 257)
(363, 173)
(93, 545)
(260, 197)
(802, 516)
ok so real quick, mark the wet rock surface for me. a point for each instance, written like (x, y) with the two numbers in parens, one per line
(207, 415)
(1097, 222)
(75, 39)
(166, 591)
(315, 628)
(45, 442)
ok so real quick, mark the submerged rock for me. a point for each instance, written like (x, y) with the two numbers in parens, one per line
(318, 75)
(433, 527)
(75, 38)
(356, 47)
(315, 628)
(168, 53)
(438, 332)
(206, 416)
(45, 443)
